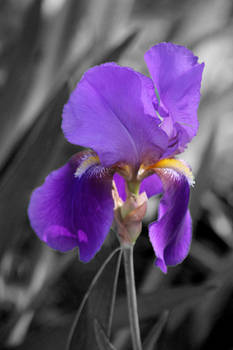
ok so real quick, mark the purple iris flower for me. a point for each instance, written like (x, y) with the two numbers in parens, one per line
(133, 126)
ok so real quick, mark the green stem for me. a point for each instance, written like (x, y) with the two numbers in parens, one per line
(133, 186)
(131, 296)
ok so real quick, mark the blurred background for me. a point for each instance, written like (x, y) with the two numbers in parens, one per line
(45, 47)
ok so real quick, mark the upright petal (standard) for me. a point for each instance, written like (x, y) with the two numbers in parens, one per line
(177, 77)
(109, 112)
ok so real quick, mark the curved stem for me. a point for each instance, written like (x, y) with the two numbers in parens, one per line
(131, 296)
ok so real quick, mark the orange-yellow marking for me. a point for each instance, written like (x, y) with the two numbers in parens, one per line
(175, 164)
(86, 164)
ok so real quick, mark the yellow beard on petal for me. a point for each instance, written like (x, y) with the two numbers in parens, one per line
(86, 164)
(175, 164)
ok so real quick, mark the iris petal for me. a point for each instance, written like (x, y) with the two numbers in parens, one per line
(170, 235)
(152, 185)
(110, 112)
(178, 249)
(177, 77)
(71, 210)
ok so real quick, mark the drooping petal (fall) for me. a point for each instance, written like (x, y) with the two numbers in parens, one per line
(170, 235)
(110, 112)
(178, 249)
(177, 77)
(74, 206)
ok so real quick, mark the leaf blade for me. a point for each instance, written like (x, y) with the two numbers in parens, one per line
(97, 304)
(101, 338)
(152, 304)
(155, 332)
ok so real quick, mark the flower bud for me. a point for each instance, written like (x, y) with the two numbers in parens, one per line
(128, 217)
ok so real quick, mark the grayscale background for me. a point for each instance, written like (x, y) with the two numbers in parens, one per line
(45, 47)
